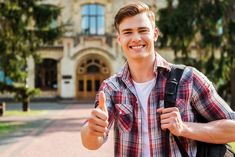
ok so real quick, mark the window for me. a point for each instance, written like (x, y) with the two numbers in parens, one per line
(93, 19)
(53, 24)
(4, 78)
(80, 85)
(46, 75)
(89, 85)
(92, 69)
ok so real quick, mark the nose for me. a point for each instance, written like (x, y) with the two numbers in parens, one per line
(136, 37)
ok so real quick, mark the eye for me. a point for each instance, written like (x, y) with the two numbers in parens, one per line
(127, 32)
(144, 31)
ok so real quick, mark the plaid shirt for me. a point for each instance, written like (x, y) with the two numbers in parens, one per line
(196, 95)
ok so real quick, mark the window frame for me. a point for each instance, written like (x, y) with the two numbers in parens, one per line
(46, 71)
(87, 15)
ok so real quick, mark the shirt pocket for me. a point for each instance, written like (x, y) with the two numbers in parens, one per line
(124, 117)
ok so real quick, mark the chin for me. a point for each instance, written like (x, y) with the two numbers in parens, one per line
(139, 56)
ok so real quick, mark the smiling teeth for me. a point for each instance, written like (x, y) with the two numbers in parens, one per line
(137, 47)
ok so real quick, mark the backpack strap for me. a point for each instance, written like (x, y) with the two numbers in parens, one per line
(170, 96)
(171, 87)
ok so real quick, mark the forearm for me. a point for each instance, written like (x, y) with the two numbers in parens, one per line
(220, 131)
(89, 141)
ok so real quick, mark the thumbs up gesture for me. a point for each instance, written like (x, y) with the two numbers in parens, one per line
(98, 121)
(102, 100)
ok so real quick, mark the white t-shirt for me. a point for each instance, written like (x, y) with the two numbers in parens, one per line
(143, 90)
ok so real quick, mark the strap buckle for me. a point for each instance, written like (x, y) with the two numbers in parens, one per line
(171, 92)
(171, 87)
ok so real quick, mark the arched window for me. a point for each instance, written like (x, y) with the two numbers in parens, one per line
(93, 19)
(46, 75)
(92, 69)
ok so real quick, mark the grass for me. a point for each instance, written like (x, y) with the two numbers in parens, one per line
(233, 145)
(9, 127)
(21, 113)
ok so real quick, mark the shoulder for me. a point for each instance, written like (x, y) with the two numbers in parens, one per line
(187, 74)
(112, 83)
(200, 79)
(194, 75)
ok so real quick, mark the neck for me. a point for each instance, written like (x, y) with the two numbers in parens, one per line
(142, 70)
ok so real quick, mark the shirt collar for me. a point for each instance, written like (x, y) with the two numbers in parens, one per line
(161, 63)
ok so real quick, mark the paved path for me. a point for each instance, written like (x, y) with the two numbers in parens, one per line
(56, 134)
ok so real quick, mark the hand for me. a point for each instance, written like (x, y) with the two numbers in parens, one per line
(171, 119)
(98, 122)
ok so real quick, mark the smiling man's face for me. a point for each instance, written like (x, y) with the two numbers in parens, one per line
(136, 36)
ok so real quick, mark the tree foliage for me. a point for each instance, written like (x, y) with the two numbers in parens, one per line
(25, 25)
(207, 26)
(177, 26)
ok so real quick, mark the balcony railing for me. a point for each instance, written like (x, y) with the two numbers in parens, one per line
(107, 38)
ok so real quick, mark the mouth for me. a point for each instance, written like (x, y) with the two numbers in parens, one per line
(137, 47)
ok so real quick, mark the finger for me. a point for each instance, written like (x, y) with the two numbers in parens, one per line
(169, 109)
(168, 121)
(98, 121)
(100, 114)
(98, 134)
(95, 133)
(102, 103)
(166, 115)
(160, 109)
(166, 126)
(98, 128)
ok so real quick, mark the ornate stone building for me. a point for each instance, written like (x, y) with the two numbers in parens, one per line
(75, 66)
(87, 53)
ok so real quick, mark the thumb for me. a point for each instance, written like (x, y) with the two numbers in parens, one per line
(102, 99)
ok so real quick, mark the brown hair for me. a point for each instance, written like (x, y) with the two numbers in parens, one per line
(132, 9)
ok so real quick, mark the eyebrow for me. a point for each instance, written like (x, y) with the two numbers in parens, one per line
(139, 28)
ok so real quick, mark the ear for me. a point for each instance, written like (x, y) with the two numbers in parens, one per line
(118, 38)
(156, 34)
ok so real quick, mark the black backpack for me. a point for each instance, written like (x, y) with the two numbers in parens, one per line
(203, 149)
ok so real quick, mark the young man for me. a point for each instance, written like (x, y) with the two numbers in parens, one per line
(134, 98)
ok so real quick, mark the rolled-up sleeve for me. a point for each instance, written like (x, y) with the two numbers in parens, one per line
(206, 100)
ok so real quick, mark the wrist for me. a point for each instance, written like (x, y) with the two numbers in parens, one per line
(186, 130)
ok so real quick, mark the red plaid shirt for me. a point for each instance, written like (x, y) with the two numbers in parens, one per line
(196, 95)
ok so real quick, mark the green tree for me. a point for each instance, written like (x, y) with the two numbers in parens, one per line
(208, 27)
(25, 26)
(177, 26)
(229, 47)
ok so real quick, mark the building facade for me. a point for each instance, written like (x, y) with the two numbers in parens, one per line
(88, 53)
